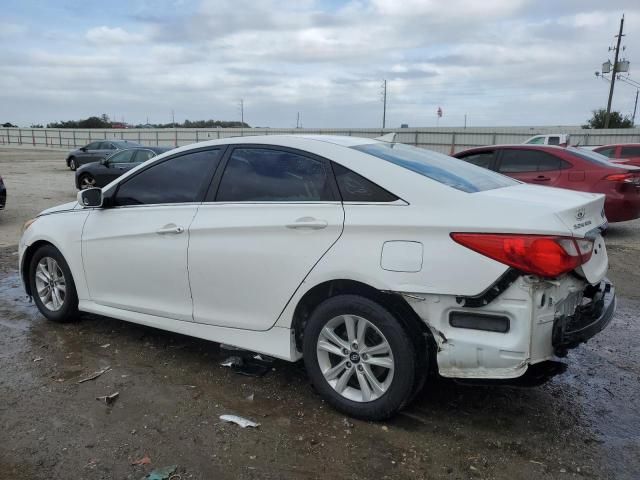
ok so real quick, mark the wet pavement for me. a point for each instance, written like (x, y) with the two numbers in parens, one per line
(584, 423)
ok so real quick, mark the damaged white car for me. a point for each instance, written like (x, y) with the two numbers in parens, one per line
(373, 261)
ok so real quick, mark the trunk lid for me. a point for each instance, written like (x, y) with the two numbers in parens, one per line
(582, 213)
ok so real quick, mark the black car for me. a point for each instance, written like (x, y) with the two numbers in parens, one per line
(3, 194)
(96, 151)
(99, 174)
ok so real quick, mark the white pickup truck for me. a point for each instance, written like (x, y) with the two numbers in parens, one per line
(560, 139)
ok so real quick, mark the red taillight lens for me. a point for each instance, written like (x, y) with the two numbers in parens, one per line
(543, 255)
(623, 177)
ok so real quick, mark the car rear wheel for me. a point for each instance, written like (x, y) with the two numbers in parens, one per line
(52, 285)
(87, 181)
(359, 357)
(73, 164)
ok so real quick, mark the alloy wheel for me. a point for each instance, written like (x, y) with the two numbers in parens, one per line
(50, 284)
(87, 182)
(355, 358)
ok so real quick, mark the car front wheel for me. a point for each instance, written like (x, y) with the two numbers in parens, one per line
(73, 164)
(359, 357)
(52, 285)
(87, 181)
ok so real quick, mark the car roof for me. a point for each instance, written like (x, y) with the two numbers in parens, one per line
(609, 145)
(521, 146)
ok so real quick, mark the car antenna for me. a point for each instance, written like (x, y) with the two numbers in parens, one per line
(389, 137)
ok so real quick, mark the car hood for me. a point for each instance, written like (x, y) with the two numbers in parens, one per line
(60, 208)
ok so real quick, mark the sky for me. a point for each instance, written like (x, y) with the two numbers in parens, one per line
(499, 62)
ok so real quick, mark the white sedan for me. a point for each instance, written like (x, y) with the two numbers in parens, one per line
(373, 261)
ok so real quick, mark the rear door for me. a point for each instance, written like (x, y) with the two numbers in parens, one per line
(270, 216)
(532, 166)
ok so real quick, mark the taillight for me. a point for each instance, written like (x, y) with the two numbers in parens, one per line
(624, 178)
(543, 255)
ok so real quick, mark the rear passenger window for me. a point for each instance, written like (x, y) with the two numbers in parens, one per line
(106, 146)
(554, 140)
(177, 180)
(271, 175)
(355, 188)
(629, 152)
(143, 156)
(518, 161)
(607, 152)
(482, 159)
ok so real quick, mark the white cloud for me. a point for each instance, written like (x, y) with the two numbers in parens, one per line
(106, 36)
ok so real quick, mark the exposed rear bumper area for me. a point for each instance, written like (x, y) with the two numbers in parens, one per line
(591, 317)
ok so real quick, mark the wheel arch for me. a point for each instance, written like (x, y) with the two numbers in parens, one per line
(395, 303)
(26, 261)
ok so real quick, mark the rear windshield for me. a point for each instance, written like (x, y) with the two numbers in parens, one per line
(450, 171)
(591, 156)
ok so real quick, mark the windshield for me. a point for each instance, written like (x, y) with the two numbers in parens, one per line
(450, 171)
(591, 156)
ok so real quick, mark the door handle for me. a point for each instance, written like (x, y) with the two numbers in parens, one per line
(308, 223)
(541, 178)
(171, 228)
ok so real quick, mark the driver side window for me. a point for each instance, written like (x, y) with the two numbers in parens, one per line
(121, 157)
(180, 179)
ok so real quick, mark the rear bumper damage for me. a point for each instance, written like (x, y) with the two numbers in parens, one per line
(530, 321)
(591, 317)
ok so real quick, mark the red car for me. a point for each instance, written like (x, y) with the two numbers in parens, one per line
(626, 153)
(571, 168)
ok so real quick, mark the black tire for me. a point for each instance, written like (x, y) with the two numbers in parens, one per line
(86, 180)
(68, 311)
(405, 379)
(73, 164)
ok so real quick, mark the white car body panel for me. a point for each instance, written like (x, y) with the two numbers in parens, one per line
(237, 273)
(129, 265)
(228, 266)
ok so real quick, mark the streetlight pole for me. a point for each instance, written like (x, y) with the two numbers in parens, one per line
(613, 75)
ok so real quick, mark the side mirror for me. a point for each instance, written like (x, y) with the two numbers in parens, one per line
(103, 161)
(83, 149)
(90, 198)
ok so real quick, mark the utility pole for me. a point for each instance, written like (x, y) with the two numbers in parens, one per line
(635, 107)
(173, 118)
(613, 74)
(384, 103)
(465, 120)
(298, 120)
(241, 105)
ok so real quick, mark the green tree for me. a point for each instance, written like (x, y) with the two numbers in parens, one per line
(617, 120)
(9, 125)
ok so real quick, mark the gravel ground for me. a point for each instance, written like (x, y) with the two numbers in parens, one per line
(584, 423)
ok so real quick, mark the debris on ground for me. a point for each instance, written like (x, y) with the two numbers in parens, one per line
(109, 399)
(250, 397)
(162, 473)
(232, 362)
(38, 359)
(106, 345)
(243, 422)
(249, 366)
(142, 461)
(94, 375)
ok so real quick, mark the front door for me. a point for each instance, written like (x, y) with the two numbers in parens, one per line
(276, 213)
(135, 252)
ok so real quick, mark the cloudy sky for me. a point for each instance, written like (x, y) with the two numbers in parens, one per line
(501, 62)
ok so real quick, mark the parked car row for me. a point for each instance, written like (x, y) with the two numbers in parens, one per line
(99, 174)
(571, 168)
(96, 151)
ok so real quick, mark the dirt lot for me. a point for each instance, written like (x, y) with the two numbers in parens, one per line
(584, 423)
